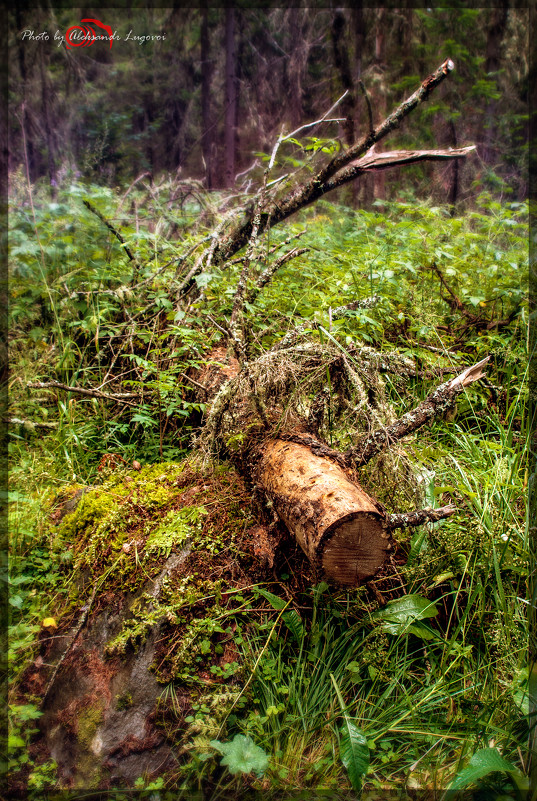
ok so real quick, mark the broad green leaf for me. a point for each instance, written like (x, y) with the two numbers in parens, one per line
(483, 762)
(291, 618)
(401, 614)
(242, 755)
(354, 752)
(353, 748)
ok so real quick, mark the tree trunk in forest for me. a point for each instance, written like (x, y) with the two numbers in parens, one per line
(454, 170)
(231, 97)
(495, 36)
(295, 66)
(379, 98)
(206, 71)
(46, 104)
(341, 61)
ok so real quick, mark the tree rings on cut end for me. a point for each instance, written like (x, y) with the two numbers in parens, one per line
(354, 549)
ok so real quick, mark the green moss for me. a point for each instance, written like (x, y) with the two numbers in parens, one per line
(124, 701)
(88, 761)
(89, 721)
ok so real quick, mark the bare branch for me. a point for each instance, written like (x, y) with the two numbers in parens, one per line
(111, 228)
(268, 273)
(364, 303)
(436, 404)
(92, 393)
(417, 518)
(30, 424)
(317, 184)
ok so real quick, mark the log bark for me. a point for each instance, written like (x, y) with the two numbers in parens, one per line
(339, 527)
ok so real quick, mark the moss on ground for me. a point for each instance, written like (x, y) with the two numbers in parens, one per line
(170, 544)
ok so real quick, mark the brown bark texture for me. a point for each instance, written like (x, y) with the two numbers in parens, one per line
(339, 527)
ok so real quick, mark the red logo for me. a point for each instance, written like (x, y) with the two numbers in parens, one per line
(87, 35)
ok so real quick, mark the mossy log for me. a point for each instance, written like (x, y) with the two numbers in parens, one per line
(338, 526)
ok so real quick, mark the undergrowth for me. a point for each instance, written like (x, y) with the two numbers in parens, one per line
(418, 691)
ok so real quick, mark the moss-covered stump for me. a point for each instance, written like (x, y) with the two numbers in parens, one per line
(159, 567)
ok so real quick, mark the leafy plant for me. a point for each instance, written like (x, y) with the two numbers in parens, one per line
(242, 755)
(482, 764)
(353, 748)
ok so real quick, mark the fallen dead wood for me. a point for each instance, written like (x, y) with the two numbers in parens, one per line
(435, 405)
(311, 487)
(342, 168)
(338, 526)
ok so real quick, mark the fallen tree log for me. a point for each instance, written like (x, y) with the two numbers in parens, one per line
(338, 526)
(313, 488)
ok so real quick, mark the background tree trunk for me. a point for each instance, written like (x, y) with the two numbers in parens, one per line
(206, 74)
(495, 36)
(231, 97)
(379, 104)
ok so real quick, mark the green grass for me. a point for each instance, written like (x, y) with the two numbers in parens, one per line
(426, 699)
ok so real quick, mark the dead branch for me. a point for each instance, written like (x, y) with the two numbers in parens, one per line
(396, 158)
(316, 185)
(364, 303)
(30, 424)
(455, 303)
(417, 518)
(92, 393)
(111, 228)
(270, 271)
(436, 404)
(81, 623)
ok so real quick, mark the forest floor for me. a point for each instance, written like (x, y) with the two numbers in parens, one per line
(263, 678)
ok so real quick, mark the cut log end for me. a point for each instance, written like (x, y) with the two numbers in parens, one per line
(355, 549)
(338, 526)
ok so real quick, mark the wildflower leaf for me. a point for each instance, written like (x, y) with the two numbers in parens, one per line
(483, 762)
(242, 755)
(354, 752)
(400, 616)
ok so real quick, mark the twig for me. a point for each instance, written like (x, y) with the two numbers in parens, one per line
(365, 303)
(417, 518)
(92, 393)
(140, 178)
(16, 421)
(81, 623)
(268, 273)
(111, 228)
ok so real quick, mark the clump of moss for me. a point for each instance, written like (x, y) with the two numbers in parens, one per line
(127, 527)
(164, 541)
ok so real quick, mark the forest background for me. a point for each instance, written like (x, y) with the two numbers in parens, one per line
(163, 138)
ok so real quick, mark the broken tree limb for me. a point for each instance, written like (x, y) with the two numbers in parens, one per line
(436, 404)
(92, 393)
(364, 303)
(417, 518)
(387, 159)
(274, 211)
(111, 228)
